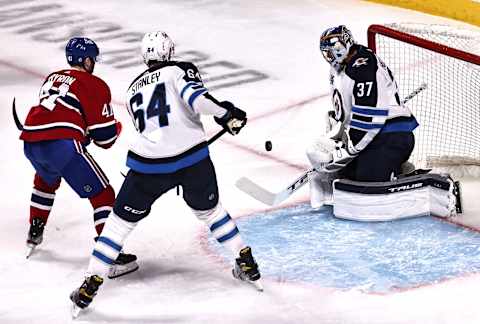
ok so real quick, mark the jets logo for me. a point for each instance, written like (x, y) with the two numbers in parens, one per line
(360, 61)
(337, 105)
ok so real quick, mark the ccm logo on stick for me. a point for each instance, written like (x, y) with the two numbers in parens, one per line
(406, 187)
(134, 211)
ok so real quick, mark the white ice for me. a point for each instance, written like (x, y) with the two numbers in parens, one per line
(178, 280)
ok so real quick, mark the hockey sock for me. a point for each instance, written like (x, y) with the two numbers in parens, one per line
(225, 230)
(102, 206)
(109, 244)
(42, 198)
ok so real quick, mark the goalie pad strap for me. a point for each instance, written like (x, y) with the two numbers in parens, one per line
(404, 184)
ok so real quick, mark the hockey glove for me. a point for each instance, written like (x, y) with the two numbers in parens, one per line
(233, 120)
(341, 157)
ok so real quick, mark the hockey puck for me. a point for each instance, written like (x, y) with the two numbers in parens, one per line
(268, 146)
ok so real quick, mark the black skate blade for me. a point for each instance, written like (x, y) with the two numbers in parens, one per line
(116, 273)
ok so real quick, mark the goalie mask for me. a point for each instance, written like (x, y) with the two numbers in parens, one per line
(157, 47)
(335, 44)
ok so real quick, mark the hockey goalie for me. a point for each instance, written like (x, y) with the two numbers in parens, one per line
(361, 162)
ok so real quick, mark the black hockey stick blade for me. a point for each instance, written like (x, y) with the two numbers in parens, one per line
(15, 116)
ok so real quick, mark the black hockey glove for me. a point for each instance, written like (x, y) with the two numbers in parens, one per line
(233, 120)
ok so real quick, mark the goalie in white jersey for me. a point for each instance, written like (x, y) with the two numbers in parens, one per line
(370, 137)
(370, 130)
(165, 103)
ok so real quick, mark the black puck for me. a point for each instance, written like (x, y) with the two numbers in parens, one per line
(268, 146)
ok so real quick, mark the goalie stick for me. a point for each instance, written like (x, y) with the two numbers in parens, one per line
(272, 199)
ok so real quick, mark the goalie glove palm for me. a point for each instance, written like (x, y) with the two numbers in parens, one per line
(233, 120)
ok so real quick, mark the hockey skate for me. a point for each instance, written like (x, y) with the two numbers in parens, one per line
(124, 264)
(35, 235)
(83, 296)
(246, 269)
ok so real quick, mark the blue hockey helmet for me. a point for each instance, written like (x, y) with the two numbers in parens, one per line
(79, 48)
(335, 44)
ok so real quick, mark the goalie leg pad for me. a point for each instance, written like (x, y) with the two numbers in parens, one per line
(321, 190)
(421, 195)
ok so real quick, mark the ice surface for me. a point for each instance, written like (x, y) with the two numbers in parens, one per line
(298, 244)
(178, 282)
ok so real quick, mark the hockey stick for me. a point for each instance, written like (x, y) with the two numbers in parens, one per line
(15, 116)
(216, 136)
(415, 92)
(272, 199)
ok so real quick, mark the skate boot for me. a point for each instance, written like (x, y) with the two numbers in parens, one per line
(35, 235)
(83, 296)
(124, 264)
(246, 269)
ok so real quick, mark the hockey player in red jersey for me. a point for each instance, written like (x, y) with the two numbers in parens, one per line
(74, 110)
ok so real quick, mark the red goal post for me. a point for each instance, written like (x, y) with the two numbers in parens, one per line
(447, 59)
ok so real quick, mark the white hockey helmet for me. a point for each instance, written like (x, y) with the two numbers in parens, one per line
(335, 44)
(157, 46)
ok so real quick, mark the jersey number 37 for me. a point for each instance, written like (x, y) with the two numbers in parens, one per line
(157, 107)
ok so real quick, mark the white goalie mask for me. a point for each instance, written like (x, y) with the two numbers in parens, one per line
(157, 46)
(335, 45)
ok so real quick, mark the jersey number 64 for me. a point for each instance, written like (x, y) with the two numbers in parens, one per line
(157, 106)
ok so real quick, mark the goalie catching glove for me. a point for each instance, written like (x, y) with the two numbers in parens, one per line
(233, 120)
(327, 155)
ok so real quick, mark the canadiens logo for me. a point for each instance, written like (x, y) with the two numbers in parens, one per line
(360, 61)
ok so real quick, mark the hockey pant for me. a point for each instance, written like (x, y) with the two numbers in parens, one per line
(138, 193)
(67, 159)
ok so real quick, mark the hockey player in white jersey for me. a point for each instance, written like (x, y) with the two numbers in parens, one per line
(170, 150)
(370, 129)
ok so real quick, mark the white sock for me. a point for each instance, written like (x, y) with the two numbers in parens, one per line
(109, 244)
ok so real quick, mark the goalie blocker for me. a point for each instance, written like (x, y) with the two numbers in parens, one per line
(411, 196)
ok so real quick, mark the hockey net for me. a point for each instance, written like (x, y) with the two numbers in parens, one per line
(447, 59)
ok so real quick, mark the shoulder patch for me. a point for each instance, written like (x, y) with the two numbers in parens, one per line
(190, 70)
(360, 61)
(363, 65)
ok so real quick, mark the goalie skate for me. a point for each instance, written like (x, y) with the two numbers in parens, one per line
(35, 235)
(124, 264)
(246, 269)
(83, 296)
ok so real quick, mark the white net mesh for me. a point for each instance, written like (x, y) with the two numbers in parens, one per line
(449, 109)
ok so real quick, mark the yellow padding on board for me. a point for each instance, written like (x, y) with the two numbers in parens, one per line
(464, 10)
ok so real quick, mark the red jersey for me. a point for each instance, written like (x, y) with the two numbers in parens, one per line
(73, 105)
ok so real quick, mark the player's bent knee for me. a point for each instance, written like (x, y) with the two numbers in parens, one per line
(106, 197)
(210, 215)
(130, 213)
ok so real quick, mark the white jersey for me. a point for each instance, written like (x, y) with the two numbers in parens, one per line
(165, 103)
(366, 101)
